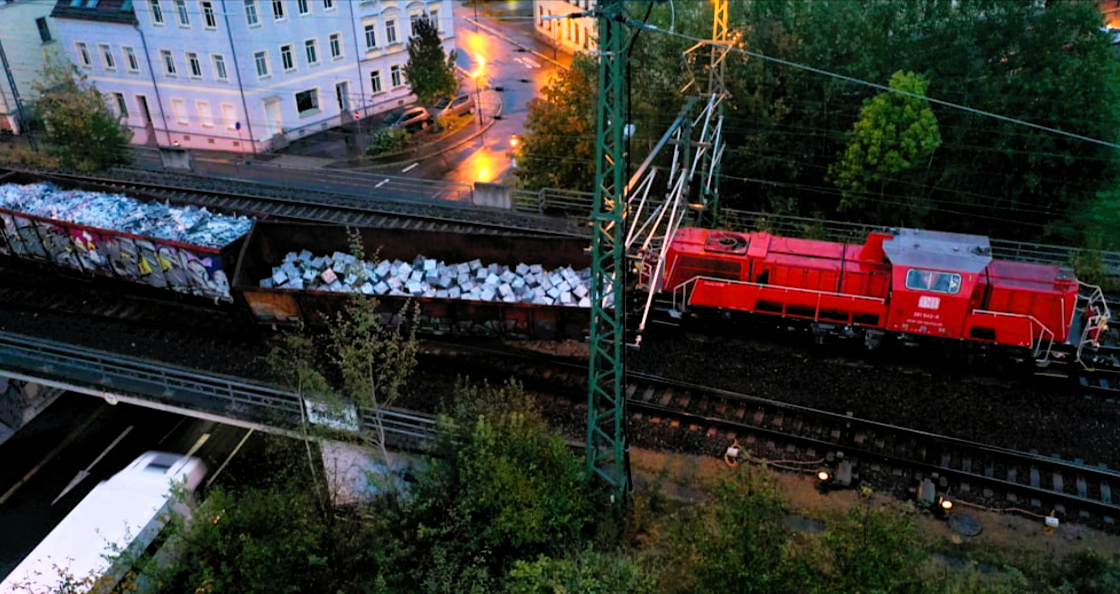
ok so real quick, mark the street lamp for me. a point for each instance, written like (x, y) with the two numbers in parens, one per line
(476, 74)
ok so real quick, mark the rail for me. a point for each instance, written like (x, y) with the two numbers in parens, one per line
(110, 375)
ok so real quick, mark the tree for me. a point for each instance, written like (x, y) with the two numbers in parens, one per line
(501, 487)
(430, 72)
(362, 363)
(895, 134)
(558, 147)
(81, 130)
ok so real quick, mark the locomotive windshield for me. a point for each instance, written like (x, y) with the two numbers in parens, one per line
(933, 281)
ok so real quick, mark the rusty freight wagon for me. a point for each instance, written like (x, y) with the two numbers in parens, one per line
(278, 258)
(52, 237)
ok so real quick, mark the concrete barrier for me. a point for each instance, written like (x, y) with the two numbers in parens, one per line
(492, 195)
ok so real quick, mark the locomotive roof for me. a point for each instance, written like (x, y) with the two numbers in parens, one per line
(938, 250)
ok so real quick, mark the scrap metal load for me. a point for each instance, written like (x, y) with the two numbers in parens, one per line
(425, 277)
(185, 249)
(291, 272)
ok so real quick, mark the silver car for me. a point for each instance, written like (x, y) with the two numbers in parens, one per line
(409, 118)
(462, 104)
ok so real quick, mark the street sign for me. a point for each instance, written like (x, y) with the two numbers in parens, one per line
(237, 126)
(357, 115)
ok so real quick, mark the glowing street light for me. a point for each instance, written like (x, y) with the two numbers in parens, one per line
(476, 74)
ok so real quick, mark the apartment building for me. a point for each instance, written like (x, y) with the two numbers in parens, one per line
(569, 35)
(26, 37)
(244, 75)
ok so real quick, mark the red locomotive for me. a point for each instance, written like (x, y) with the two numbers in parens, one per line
(907, 284)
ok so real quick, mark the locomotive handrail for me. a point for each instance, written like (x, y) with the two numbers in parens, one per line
(682, 288)
(102, 373)
(1033, 320)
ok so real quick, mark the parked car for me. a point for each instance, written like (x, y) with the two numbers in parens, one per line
(409, 118)
(462, 104)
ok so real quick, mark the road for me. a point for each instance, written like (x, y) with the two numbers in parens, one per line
(81, 433)
(520, 75)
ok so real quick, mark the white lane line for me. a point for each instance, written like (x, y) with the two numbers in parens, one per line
(382, 182)
(230, 457)
(410, 167)
(181, 421)
(198, 444)
(69, 438)
(83, 474)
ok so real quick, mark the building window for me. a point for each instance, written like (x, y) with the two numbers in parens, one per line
(44, 30)
(75, 3)
(208, 15)
(375, 81)
(278, 9)
(83, 54)
(391, 31)
(311, 47)
(336, 45)
(286, 60)
(107, 57)
(122, 107)
(261, 59)
(220, 67)
(371, 37)
(395, 74)
(328, 4)
(205, 115)
(157, 12)
(412, 24)
(179, 108)
(181, 12)
(307, 101)
(126, 6)
(433, 16)
(540, 16)
(251, 13)
(89, 3)
(168, 62)
(130, 59)
(585, 36)
(304, 7)
(196, 66)
(548, 24)
(229, 114)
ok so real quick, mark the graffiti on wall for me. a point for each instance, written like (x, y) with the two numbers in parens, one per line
(145, 261)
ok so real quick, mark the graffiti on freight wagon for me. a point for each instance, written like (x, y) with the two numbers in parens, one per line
(147, 261)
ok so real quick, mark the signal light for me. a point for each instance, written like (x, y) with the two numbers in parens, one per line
(946, 504)
(824, 476)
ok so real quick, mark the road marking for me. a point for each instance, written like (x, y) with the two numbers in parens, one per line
(83, 474)
(198, 444)
(181, 421)
(69, 438)
(410, 167)
(382, 182)
(529, 62)
(228, 459)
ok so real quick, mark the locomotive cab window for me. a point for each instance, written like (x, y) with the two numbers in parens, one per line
(935, 282)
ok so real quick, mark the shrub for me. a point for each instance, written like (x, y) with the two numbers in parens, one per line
(386, 140)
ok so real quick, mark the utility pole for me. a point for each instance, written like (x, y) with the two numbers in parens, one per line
(24, 124)
(607, 450)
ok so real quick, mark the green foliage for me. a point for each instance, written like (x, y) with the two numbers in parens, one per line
(82, 132)
(386, 140)
(895, 134)
(502, 488)
(1050, 66)
(430, 71)
(558, 146)
(873, 550)
(588, 572)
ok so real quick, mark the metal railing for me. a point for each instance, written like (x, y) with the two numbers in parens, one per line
(110, 375)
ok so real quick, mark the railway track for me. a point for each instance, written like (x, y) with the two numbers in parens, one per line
(885, 456)
(371, 210)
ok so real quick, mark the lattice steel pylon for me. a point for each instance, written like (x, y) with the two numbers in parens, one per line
(607, 450)
(717, 88)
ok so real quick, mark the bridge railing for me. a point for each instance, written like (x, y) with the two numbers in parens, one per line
(111, 376)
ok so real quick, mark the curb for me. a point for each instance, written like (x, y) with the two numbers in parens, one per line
(496, 33)
(450, 147)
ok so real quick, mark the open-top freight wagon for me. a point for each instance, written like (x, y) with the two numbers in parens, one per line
(91, 229)
(465, 285)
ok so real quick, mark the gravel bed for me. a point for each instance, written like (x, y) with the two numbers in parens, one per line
(1024, 414)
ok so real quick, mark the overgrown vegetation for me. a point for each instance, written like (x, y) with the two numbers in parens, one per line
(82, 132)
(387, 140)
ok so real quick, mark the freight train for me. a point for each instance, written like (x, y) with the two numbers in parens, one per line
(903, 285)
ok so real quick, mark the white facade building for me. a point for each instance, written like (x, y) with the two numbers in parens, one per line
(569, 35)
(244, 75)
(27, 35)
